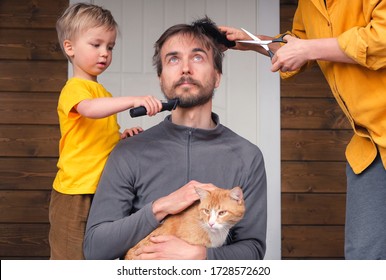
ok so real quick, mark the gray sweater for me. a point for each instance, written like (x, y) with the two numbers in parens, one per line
(162, 159)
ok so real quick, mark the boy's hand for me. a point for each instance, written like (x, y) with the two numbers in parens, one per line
(129, 132)
(152, 104)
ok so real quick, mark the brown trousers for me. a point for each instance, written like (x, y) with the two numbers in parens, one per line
(68, 216)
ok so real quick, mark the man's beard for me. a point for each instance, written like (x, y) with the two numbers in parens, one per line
(188, 100)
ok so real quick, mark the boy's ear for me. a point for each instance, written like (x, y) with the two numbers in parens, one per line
(67, 46)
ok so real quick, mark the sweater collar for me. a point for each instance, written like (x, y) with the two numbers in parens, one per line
(207, 134)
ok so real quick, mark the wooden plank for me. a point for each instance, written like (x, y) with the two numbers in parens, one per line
(314, 145)
(33, 76)
(312, 113)
(310, 83)
(24, 240)
(287, 12)
(30, 14)
(24, 206)
(29, 108)
(288, 2)
(29, 140)
(312, 242)
(27, 173)
(313, 209)
(30, 44)
(313, 177)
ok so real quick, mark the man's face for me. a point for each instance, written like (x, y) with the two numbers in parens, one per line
(188, 71)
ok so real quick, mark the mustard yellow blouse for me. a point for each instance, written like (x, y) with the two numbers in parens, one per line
(360, 89)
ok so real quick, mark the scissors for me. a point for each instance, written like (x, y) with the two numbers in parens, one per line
(263, 43)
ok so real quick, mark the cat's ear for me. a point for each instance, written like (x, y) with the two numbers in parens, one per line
(201, 193)
(237, 194)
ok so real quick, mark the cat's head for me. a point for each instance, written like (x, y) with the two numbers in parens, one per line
(221, 209)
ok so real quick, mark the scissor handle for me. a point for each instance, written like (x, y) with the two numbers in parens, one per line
(277, 40)
(280, 39)
(270, 53)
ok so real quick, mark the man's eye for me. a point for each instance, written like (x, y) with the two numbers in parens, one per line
(173, 59)
(197, 58)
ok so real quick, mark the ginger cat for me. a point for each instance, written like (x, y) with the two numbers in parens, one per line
(206, 222)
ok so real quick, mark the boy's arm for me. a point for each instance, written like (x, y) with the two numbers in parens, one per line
(97, 108)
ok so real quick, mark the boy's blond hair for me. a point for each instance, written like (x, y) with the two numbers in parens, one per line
(80, 17)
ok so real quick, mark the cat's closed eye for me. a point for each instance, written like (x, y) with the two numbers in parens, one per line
(222, 213)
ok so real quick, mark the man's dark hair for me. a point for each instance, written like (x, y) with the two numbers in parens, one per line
(205, 30)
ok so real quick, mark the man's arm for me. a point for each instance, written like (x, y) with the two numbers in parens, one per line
(179, 200)
(112, 228)
(247, 239)
(169, 247)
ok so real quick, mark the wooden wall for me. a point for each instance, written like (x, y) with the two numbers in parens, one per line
(314, 134)
(32, 73)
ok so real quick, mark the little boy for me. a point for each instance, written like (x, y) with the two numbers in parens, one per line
(88, 124)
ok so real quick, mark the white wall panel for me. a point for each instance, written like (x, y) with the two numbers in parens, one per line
(174, 12)
(132, 37)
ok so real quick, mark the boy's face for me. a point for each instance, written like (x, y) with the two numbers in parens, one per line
(188, 71)
(91, 52)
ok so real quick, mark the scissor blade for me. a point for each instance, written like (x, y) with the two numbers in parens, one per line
(255, 38)
(249, 42)
(256, 41)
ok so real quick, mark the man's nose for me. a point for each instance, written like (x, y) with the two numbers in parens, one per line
(186, 69)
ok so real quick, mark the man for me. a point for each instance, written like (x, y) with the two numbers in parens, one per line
(152, 175)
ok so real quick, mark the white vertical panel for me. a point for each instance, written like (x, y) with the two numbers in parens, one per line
(217, 11)
(174, 13)
(194, 10)
(269, 126)
(153, 22)
(242, 73)
(132, 37)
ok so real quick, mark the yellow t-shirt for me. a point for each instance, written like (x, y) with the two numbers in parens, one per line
(85, 143)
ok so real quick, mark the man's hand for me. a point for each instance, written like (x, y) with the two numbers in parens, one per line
(235, 34)
(169, 247)
(179, 200)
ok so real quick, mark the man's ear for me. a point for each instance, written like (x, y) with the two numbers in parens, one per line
(68, 48)
(218, 79)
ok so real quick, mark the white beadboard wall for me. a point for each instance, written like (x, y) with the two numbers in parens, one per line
(248, 100)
